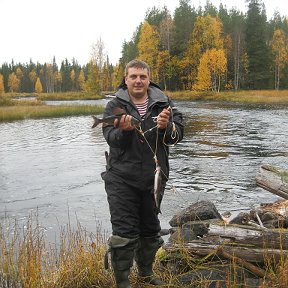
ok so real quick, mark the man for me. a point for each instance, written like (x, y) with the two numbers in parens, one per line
(138, 141)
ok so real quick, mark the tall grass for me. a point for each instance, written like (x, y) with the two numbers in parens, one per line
(76, 260)
(11, 113)
(27, 261)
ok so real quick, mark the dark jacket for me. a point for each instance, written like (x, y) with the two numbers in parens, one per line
(131, 155)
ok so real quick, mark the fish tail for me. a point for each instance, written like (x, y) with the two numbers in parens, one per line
(96, 121)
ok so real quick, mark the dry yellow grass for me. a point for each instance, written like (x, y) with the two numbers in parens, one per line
(250, 96)
(76, 260)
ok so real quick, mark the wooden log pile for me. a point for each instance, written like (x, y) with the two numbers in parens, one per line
(250, 239)
(273, 179)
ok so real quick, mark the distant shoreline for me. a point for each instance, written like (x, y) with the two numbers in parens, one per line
(16, 106)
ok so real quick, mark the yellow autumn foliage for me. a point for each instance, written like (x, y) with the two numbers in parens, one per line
(212, 68)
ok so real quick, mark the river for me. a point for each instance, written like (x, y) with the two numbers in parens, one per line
(51, 167)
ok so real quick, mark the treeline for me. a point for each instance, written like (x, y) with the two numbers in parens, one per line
(207, 49)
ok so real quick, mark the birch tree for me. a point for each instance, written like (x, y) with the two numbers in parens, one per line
(212, 68)
(38, 86)
(207, 34)
(280, 54)
(95, 66)
(148, 47)
(2, 90)
(13, 82)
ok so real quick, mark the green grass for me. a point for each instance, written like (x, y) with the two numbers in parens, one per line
(12, 113)
(20, 109)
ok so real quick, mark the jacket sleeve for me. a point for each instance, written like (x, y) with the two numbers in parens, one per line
(175, 130)
(115, 137)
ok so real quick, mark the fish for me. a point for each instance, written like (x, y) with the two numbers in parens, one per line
(117, 114)
(107, 120)
(157, 187)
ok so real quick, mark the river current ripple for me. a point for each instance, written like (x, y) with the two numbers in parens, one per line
(51, 167)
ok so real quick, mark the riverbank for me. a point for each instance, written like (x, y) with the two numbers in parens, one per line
(27, 260)
(277, 97)
(15, 106)
(29, 107)
(222, 147)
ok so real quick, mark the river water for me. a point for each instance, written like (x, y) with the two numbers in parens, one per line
(51, 167)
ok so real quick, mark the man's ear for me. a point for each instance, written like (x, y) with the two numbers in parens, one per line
(125, 79)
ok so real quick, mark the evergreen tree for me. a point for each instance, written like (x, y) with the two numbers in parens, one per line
(236, 59)
(5, 71)
(65, 73)
(130, 49)
(257, 48)
(184, 18)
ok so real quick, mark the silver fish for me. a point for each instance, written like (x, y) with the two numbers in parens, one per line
(157, 187)
(118, 113)
(107, 120)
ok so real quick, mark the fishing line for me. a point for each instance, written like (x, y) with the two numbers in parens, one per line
(173, 136)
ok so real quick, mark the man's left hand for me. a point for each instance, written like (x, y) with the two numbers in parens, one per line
(163, 119)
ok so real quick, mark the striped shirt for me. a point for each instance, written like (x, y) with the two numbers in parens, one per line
(142, 108)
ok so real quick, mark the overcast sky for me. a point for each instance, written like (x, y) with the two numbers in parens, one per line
(41, 29)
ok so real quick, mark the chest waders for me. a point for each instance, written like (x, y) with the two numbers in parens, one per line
(123, 251)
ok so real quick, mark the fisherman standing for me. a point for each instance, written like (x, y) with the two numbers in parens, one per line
(139, 140)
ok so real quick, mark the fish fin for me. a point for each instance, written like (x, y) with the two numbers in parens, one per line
(96, 121)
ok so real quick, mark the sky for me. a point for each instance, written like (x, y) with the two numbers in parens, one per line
(41, 29)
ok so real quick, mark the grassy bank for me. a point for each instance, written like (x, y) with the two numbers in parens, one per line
(13, 113)
(56, 96)
(76, 261)
(251, 96)
(11, 110)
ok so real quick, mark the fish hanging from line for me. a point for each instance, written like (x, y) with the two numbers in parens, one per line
(157, 187)
(118, 113)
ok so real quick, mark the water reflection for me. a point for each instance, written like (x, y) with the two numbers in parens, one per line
(53, 166)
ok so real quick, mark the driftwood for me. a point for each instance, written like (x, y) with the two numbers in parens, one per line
(254, 255)
(253, 237)
(274, 180)
(249, 243)
(249, 239)
(252, 240)
(254, 269)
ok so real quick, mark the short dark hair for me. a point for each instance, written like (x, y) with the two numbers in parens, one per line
(137, 64)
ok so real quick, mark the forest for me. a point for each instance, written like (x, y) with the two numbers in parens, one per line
(203, 49)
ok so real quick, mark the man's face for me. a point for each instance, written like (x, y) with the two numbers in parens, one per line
(137, 81)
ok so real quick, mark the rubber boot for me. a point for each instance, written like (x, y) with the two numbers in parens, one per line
(145, 256)
(122, 255)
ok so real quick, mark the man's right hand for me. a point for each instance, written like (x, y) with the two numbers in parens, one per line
(125, 123)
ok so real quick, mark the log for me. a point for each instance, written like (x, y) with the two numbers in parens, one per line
(254, 269)
(250, 254)
(249, 243)
(249, 235)
(273, 179)
(244, 235)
